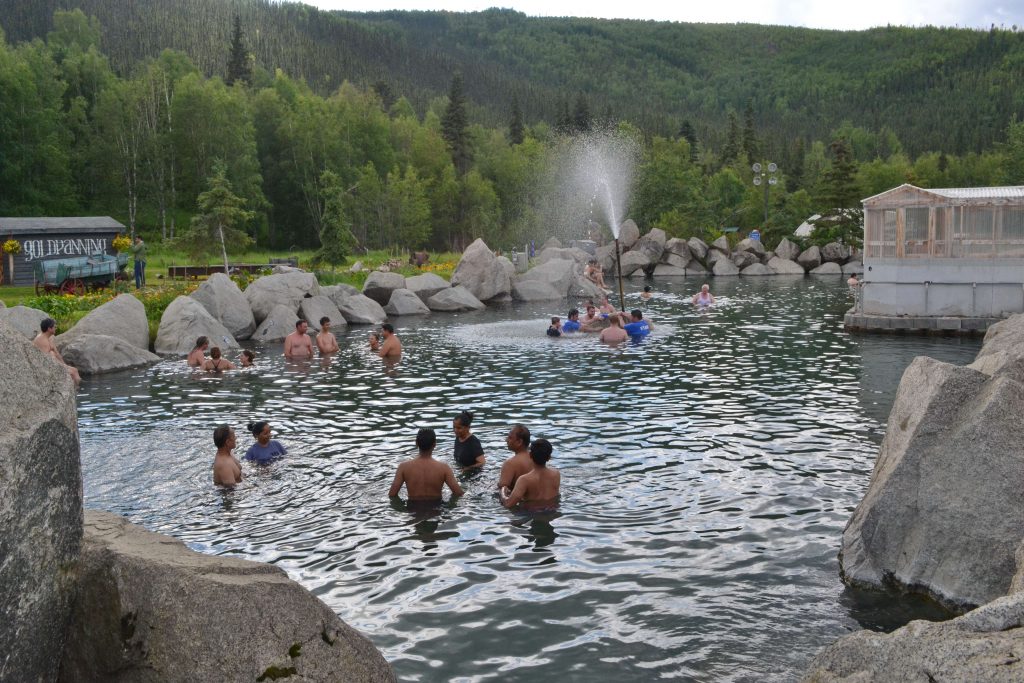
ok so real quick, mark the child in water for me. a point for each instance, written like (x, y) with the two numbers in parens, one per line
(556, 327)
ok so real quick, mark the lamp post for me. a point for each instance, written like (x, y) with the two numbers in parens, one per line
(766, 177)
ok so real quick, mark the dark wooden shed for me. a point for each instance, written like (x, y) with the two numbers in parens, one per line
(43, 239)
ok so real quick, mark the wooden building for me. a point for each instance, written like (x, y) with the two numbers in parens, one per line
(54, 238)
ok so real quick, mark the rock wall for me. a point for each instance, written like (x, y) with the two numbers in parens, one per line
(150, 609)
(40, 508)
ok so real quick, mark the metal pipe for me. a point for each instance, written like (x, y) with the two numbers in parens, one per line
(618, 270)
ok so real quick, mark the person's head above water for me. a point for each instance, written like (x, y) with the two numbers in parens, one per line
(301, 325)
(426, 439)
(705, 288)
(215, 353)
(647, 288)
(518, 438)
(249, 356)
(574, 314)
(257, 429)
(461, 424)
(636, 314)
(221, 435)
(555, 320)
(540, 452)
(388, 328)
(202, 343)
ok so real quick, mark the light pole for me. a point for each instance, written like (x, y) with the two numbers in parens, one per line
(767, 178)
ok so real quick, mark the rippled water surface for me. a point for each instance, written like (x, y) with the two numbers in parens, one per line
(707, 476)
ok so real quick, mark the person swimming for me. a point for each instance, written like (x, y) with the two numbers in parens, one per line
(555, 330)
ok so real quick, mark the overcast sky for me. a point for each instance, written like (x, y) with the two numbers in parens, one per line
(815, 13)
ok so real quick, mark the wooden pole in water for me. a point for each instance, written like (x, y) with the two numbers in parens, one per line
(618, 270)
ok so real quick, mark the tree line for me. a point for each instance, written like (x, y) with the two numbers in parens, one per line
(363, 167)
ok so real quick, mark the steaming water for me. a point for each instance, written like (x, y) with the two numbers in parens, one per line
(708, 473)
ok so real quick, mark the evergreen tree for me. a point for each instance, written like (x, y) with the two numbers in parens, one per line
(563, 120)
(385, 93)
(731, 151)
(516, 132)
(840, 182)
(454, 126)
(581, 122)
(795, 172)
(239, 68)
(220, 210)
(687, 132)
(750, 145)
(336, 238)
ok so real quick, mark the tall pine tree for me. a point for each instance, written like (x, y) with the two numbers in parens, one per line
(516, 132)
(454, 126)
(581, 115)
(239, 68)
(731, 151)
(750, 146)
(687, 132)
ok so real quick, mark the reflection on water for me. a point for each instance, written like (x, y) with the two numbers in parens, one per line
(707, 472)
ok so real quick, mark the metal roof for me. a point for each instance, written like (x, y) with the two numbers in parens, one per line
(22, 226)
(957, 193)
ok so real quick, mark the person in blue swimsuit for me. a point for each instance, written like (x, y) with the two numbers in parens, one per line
(265, 449)
(573, 323)
(637, 328)
(555, 330)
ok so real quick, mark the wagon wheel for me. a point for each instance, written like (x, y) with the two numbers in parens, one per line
(40, 288)
(73, 286)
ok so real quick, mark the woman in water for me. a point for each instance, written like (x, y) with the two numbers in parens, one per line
(265, 449)
(703, 297)
(217, 364)
(248, 358)
(469, 453)
(538, 487)
(197, 356)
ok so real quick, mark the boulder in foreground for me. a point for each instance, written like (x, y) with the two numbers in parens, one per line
(150, 609)
(123, 317)
(224, 300)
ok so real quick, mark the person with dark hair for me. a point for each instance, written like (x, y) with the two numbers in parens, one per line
(469, 453)
(138, 250)
(265, 449)
(197, 356)
(594, 273)
(592, 320)
(44, 342)
(216, 363)
(298, 344)
(517, 441)
(227, 471)
(385, 343)
(423, 476)
(555, 330)
(325, 339)
(248, 358)
(637, 328)
(538, 487)
(647, 293)
(573, 323)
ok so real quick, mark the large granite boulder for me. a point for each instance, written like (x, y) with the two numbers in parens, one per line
(629, 233)
(787, 250)
(942, 513)
(742, 259)
(827, 268)
(316, 307)
(696, 268)
(274, 290)
(224, 300)
(24, 319)
(698, 247)
(633, 261)
(783, 266)
(810, 258)
(123, 317)
(40, 508)
(278, 324)
(362, 310)
(507, 265)
(834, 252)
(757, 269)
(751, 246)
(853, 268)
(583, 288)
(1002, 347)
(677, 253)
(145, 612)
(651, 245)
(480, 272)
(714, 256)
(456, 298)
(534, 290)
(338, 293)
(405, 302)
(725, 267)
(605, 256)
(378, 285)
(184, 321)
(570, 254)
(722, 244)
(95, 354)
(426, 285)
(985, 645)
(560, 274)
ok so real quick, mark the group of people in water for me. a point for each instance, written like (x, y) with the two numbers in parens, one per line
(524, 477)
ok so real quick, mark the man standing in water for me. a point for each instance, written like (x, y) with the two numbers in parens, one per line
(387, 345)
(298, 344)
(637, 328)
(538, 487)
(423, 476)
(227, 471)
(517, 441)
(325, 339)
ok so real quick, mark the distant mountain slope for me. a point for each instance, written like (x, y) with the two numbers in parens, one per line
(948, 89)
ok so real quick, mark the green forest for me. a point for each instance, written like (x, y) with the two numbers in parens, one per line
(346, 131)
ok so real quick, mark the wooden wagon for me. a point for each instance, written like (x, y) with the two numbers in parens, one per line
(75, 275)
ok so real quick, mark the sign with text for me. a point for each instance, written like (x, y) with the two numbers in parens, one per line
(35, 249)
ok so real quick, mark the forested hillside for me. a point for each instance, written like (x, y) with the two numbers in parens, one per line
(950, 90)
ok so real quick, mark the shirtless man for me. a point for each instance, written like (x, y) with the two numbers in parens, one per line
(539, 487)
(197, 356)
(592, 321)
(298, 344)
(325, 340)
(387, 345)
(227, 471)
(517, 441)
(423, 476)
(215, 363)
(594, 273)
(44, 342)
(614, 333)
(606, 306)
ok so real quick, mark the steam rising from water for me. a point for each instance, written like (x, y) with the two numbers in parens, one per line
(590, 185)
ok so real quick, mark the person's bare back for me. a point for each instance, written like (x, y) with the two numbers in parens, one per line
(513, 468)
(540, 485)
(423, 476)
